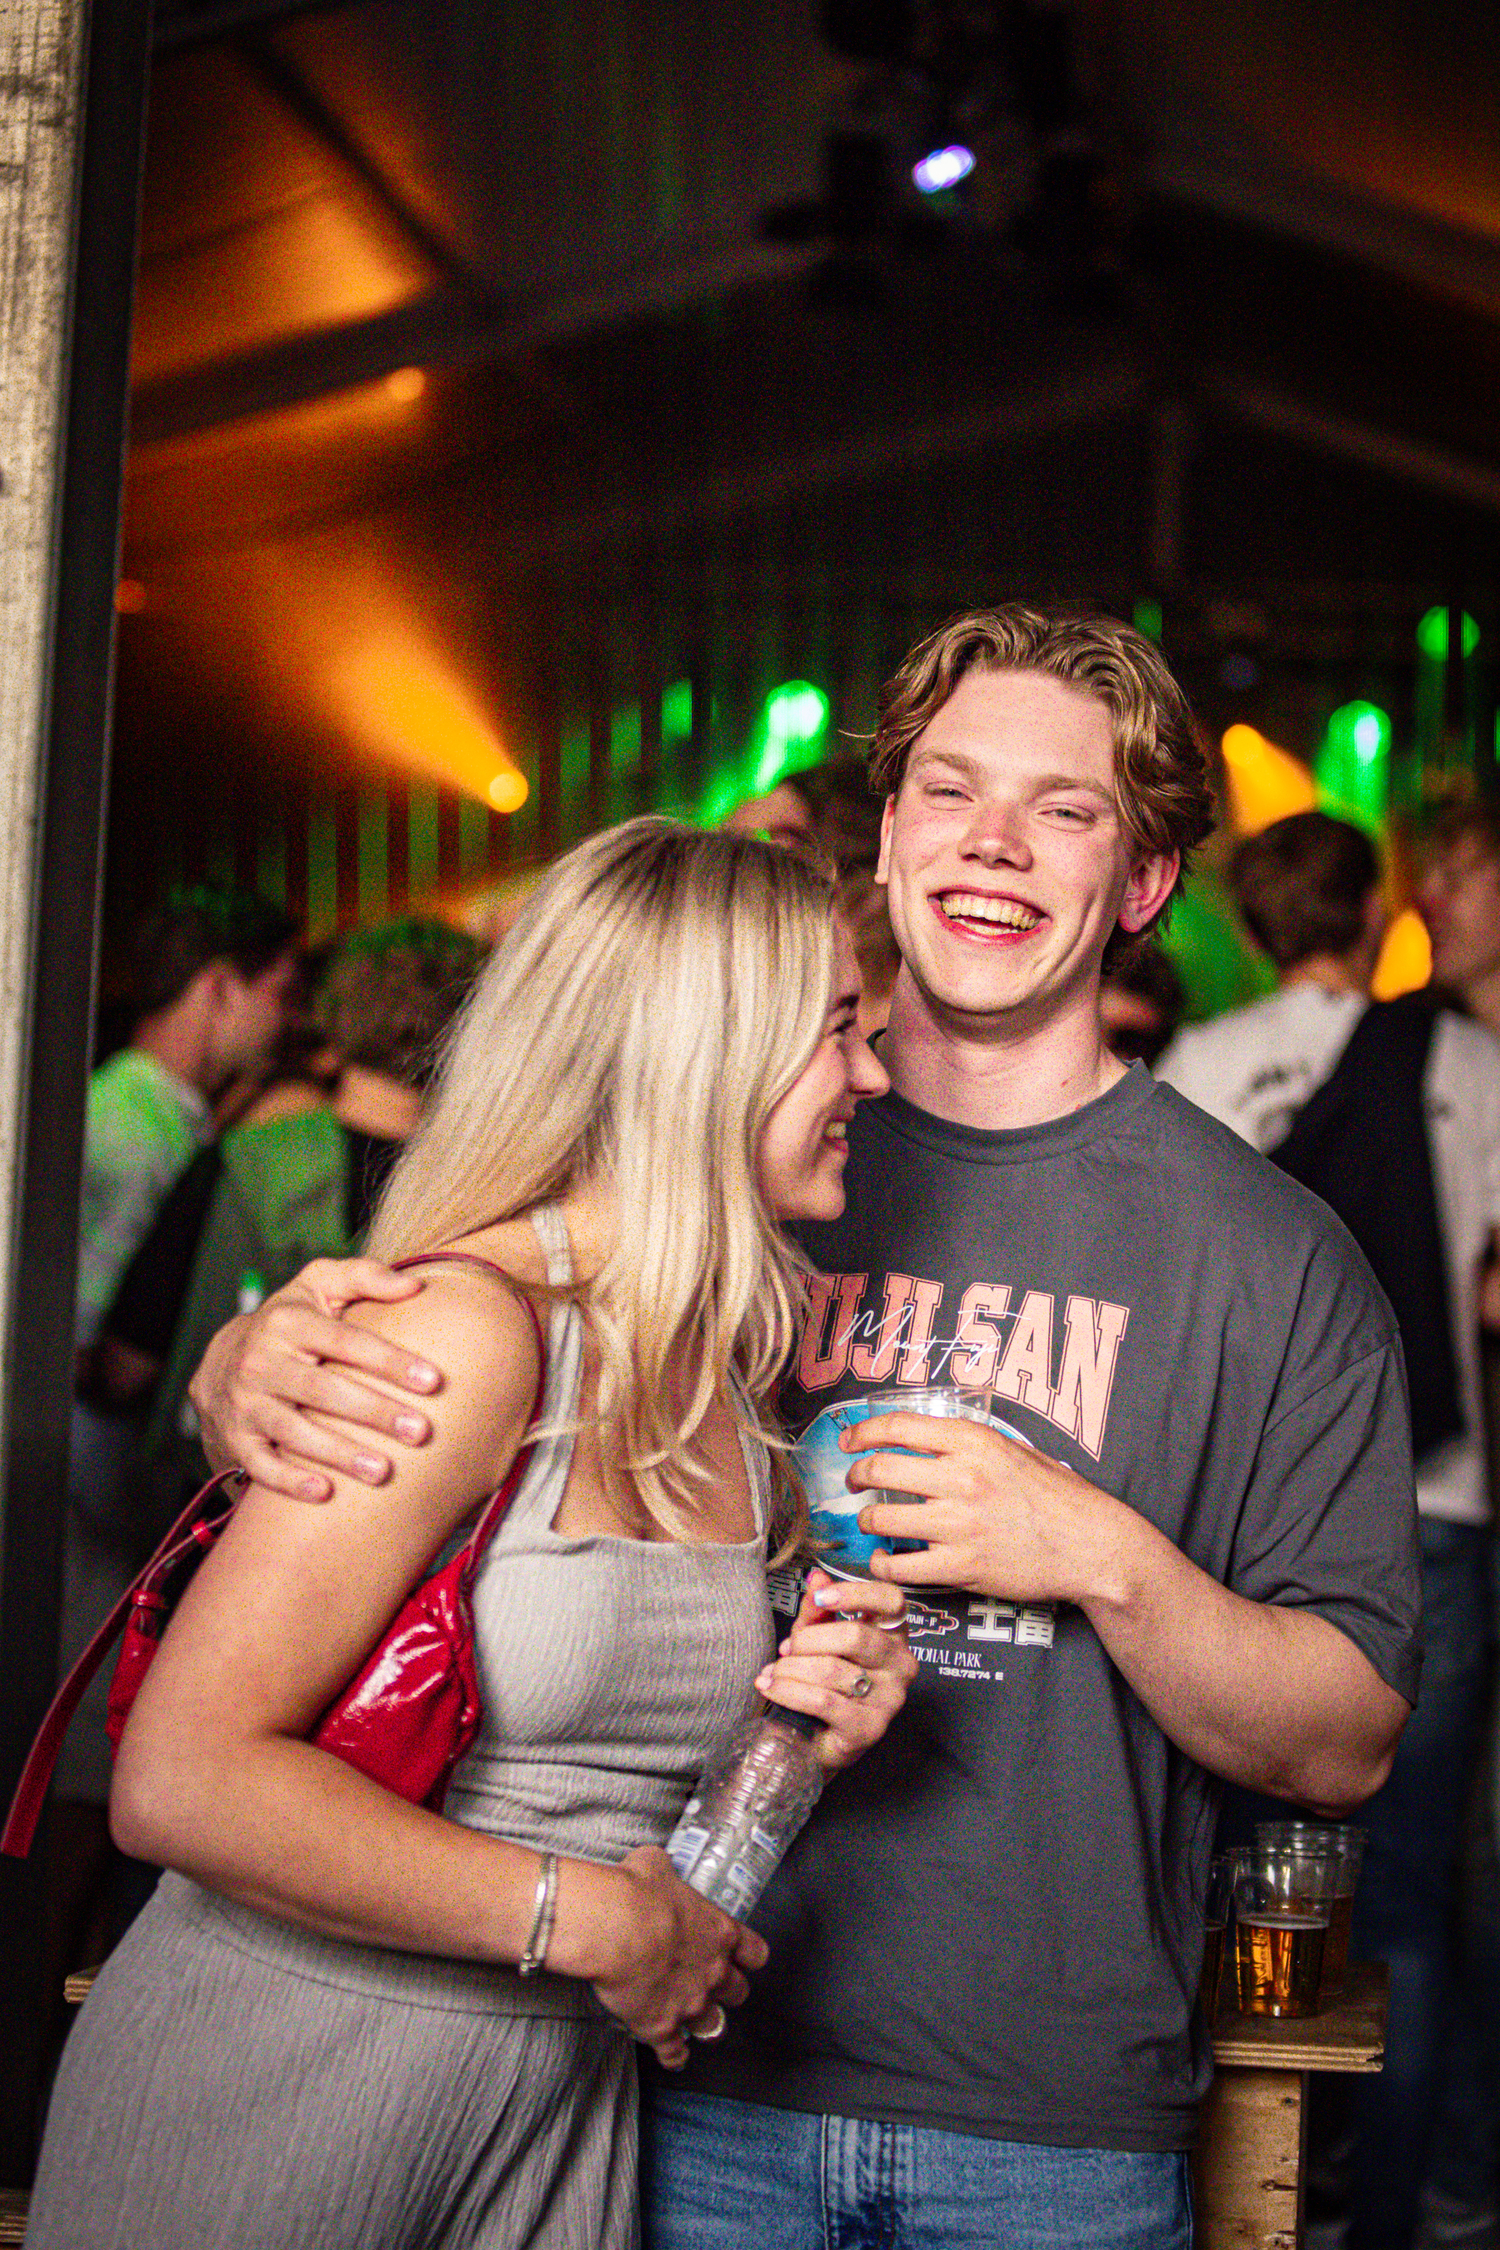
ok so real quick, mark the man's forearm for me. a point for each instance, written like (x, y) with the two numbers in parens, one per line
(1271, 1697)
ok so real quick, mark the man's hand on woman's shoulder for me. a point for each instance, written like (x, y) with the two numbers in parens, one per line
(267, 1376)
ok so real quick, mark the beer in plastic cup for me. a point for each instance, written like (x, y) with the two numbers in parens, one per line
(1283, 1900)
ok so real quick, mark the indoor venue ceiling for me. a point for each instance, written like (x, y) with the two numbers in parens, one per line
(539, 359)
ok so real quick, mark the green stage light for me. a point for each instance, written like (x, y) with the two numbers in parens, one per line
(1353, 766)
(1146, 617)
(793, 722)
(720, 798)
(1432, 635)
(1368, 735)
(797, 712)
(677, 711)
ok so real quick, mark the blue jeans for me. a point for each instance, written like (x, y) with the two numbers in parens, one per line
(1465, 2161)
(723, 2175)
(1404, 1909)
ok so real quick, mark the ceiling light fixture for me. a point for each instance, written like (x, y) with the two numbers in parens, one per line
(942, 168)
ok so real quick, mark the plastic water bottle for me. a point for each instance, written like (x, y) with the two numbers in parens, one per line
(744, 1813)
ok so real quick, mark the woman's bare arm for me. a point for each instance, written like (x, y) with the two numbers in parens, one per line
(215, 1777)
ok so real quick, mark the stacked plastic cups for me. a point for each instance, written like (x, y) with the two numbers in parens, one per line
(1291, 1896)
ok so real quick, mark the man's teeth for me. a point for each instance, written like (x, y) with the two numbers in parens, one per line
(972, 906)
(838, 1131)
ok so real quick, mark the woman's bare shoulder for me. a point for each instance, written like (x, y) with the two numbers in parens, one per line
(475, 1324)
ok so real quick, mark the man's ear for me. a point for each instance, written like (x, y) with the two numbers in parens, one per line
(882, 865)
(1149, 888)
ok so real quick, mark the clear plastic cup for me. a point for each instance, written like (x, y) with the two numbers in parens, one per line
(841, 1545)
(1283, 1902)
(1347, 1846)
(1216, 1907)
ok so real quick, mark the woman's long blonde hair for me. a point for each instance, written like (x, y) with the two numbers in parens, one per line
(659, 993)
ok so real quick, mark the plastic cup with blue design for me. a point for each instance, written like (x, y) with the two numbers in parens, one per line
(840, 1543)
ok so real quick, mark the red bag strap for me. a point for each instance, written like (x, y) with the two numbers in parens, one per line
(501, 1498)
(31, 1789)
(503, 1494)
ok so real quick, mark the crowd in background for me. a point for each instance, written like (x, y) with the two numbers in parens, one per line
(248, 1123)
(245, 1126)
(1390, 1111)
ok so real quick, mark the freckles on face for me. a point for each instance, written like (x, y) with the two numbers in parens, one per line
(1003, 852)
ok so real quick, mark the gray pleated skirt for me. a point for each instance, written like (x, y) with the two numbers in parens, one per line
(235, 2084)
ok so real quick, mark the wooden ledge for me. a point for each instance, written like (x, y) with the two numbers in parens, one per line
(1349, 2034)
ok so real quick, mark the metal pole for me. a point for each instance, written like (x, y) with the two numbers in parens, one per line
(72, 120)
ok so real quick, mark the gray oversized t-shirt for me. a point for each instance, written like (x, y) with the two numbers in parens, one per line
(993, 1923)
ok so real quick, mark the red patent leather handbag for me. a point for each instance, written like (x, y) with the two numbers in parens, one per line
(407, 1716)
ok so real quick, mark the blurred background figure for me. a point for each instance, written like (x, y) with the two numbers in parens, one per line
(784, 814)
(211, 971)
(1391, 1112)
(297, 1180)
(1459, 899)
(830, 811)
(1141, 1004)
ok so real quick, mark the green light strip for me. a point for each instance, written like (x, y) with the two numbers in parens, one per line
(422, 841)
(374, 871)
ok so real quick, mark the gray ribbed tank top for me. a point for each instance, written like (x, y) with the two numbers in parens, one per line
(612, 1670)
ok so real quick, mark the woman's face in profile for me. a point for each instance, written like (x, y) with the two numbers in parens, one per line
(804, 1146)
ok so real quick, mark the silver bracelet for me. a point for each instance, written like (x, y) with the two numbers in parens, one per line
(535, 1954)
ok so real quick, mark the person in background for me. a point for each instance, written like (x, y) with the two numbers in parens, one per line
(846, 820)
(298, 1180)
(831, 811)
(210, 973)
(783, 815)
(1459, 900)
(1458, 897)
(1141, 1002)
(1390, 1111)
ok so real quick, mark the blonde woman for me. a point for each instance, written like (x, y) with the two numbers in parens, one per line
(317, 2033)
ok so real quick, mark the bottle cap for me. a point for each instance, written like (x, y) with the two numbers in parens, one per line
(800, 1722)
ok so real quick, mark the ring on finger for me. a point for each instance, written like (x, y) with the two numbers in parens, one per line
(712, 2024)
(861, 1687)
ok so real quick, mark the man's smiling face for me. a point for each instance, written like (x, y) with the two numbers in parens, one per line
(1005, 857)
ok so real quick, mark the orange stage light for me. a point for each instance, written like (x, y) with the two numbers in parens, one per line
(1405, 963)
(401, 700)
(1266, 783)
(406, 384)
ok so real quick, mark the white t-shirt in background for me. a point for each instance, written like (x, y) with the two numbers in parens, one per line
(1255, 1068)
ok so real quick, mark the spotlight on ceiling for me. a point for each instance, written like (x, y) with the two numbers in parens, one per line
(942, 168)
